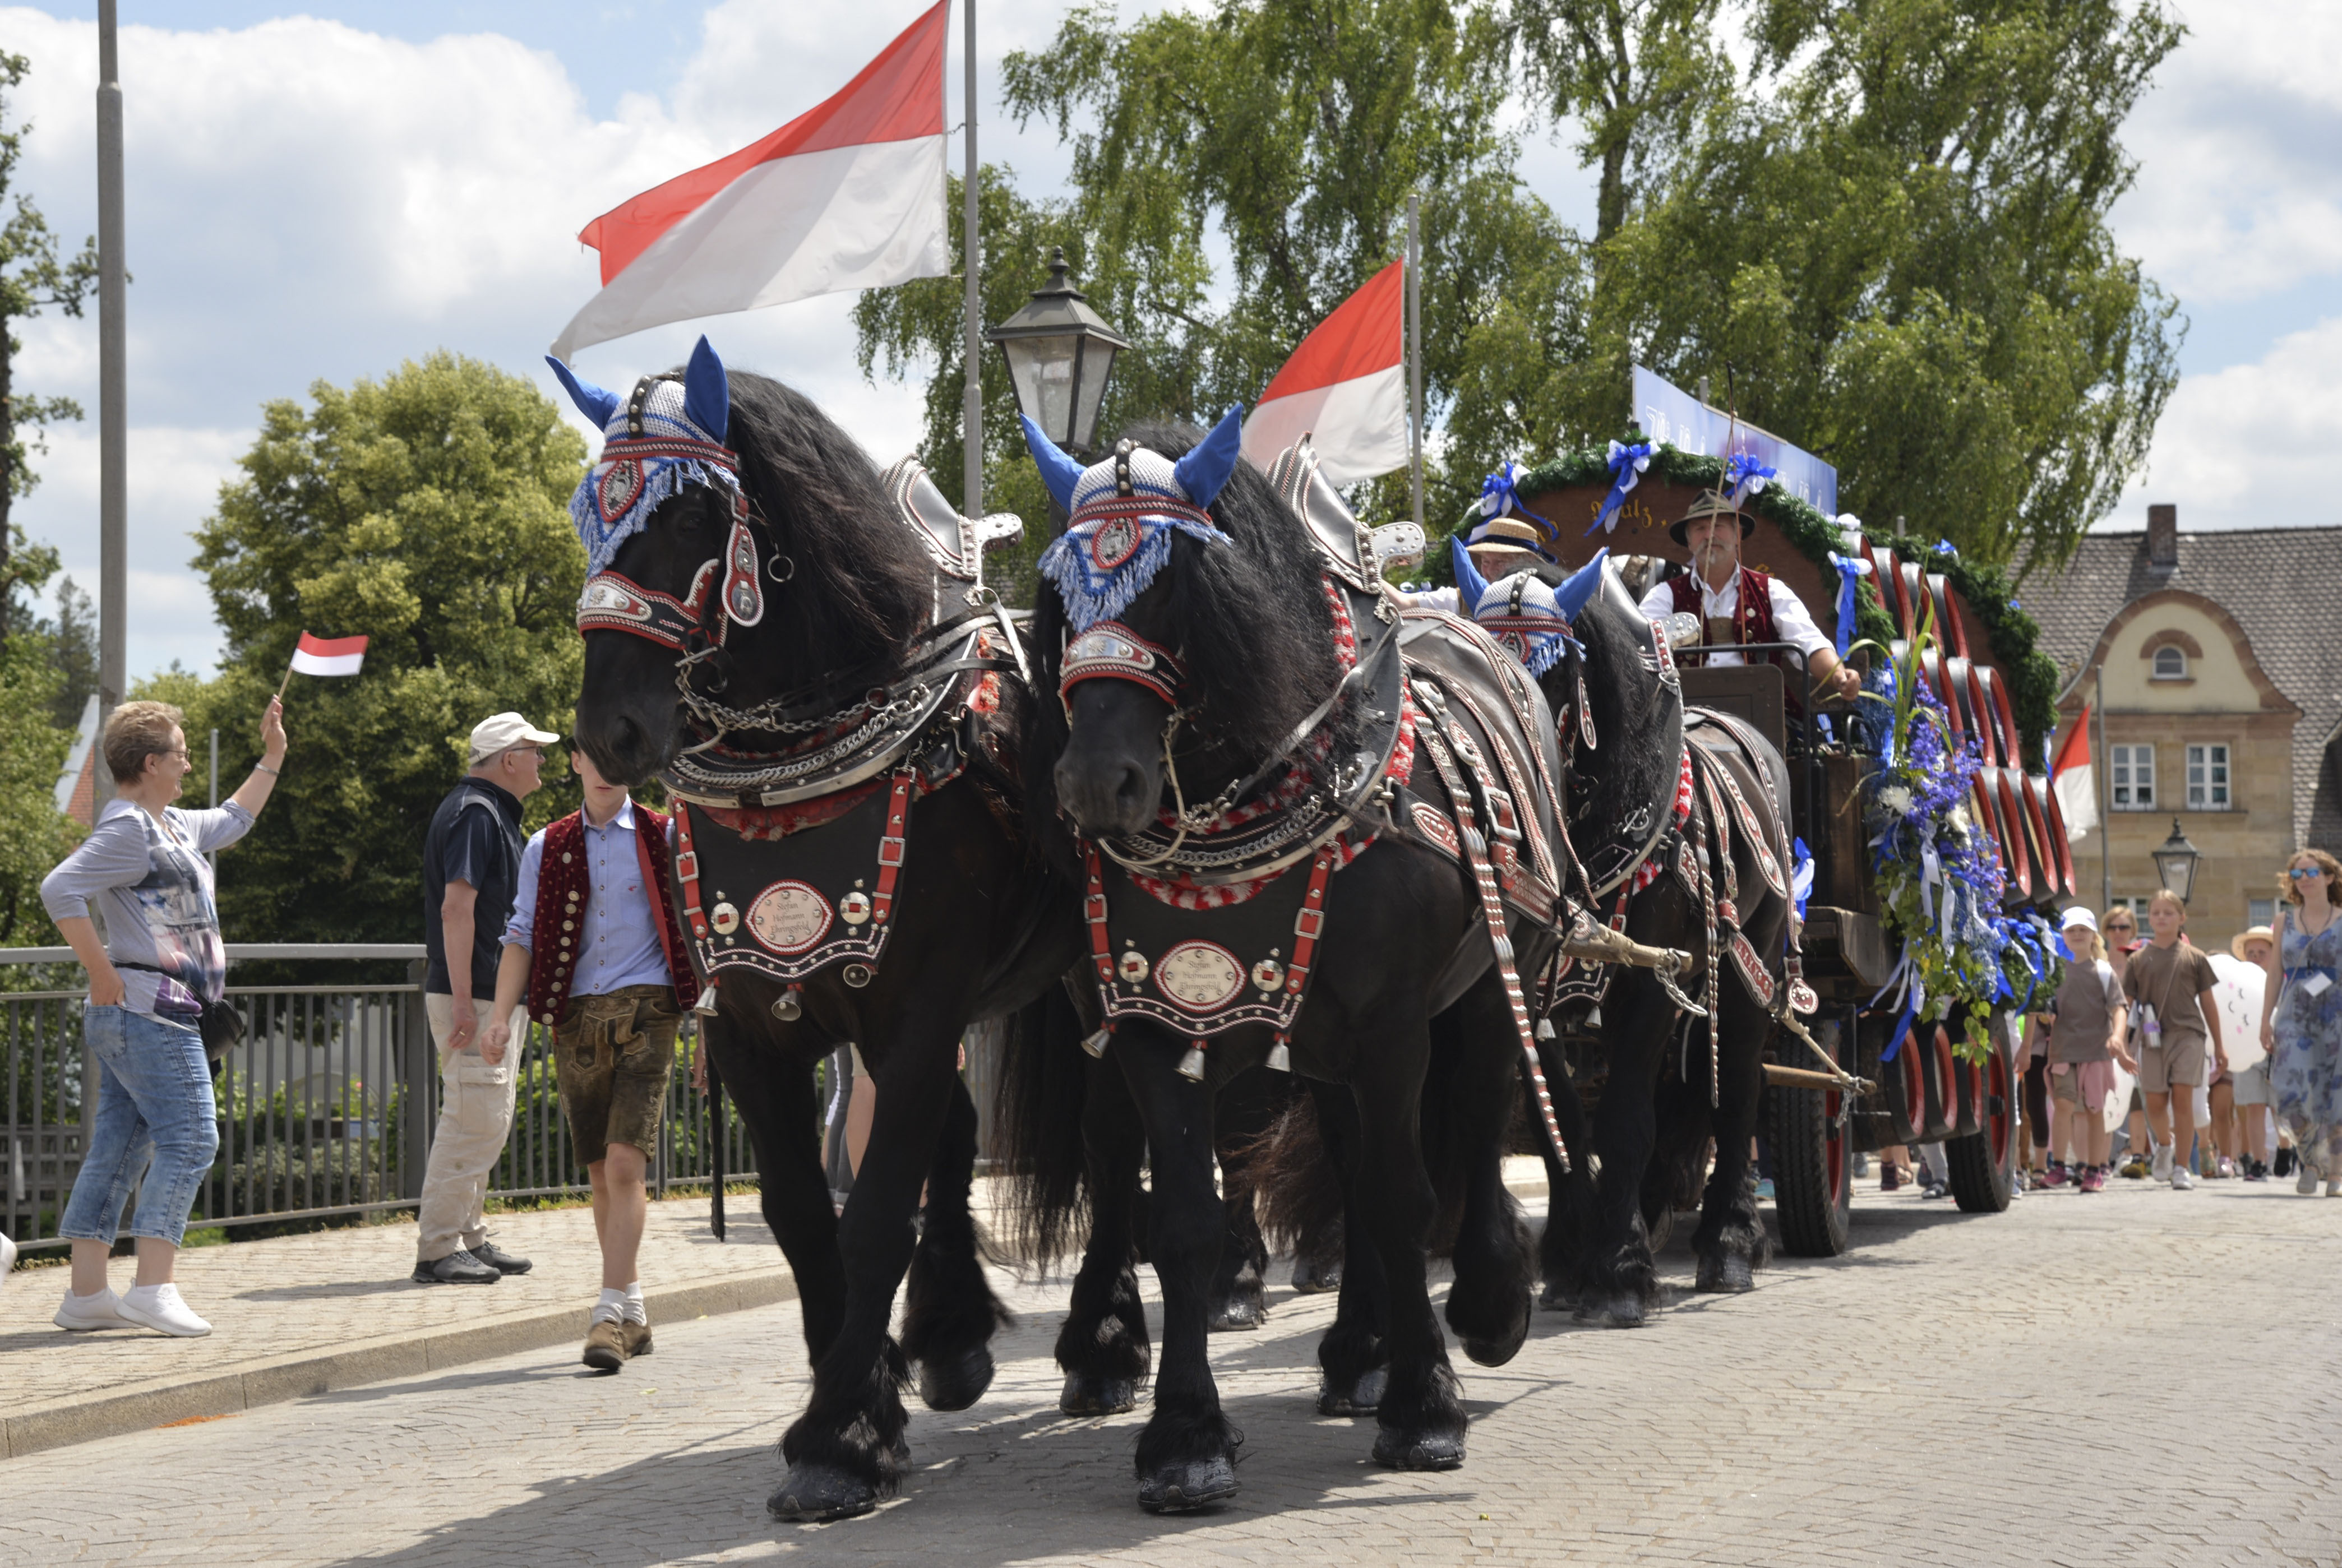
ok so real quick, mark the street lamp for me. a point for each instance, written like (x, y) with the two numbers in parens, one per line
(2174, 863)
(1060, 353)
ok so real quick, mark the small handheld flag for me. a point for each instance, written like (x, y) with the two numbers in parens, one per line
(315, 656)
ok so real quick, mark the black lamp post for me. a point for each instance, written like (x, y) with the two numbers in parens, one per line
(2174, 863)
(1060, 353)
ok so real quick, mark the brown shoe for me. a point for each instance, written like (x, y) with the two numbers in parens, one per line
(605, 1346)
(637, 1337)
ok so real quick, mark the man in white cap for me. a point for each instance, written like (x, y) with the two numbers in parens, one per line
(471, 875)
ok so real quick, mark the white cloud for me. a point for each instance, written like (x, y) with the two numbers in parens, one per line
(2252, 445)
(2239, 193)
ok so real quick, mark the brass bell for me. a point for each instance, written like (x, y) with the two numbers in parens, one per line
(1280, 1058)
(1096, 1043)
(786, 1007)
(1191, 1066)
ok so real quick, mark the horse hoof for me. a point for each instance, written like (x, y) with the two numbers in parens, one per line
(1362, 1397)
(1237, 1313)
(1624, 1310)
(1311, 1279)
(956, 1385)
(1185, 1488)
(1497, 1351)
(1558, 1298)
(1420, 1449)
(815, 1493)
(1728, 1272)
(1097, 1396)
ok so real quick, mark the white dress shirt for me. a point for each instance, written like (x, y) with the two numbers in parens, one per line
(1791, 622)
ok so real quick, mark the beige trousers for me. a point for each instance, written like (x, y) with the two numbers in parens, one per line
(476, 1117)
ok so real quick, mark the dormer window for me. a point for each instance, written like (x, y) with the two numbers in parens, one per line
(2170, 663)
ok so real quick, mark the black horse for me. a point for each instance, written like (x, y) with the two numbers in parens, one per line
(800, 654)
(1696, 803)
(1243, 690)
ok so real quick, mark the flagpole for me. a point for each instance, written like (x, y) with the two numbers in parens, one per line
(284, 683)
(1415, 350)
(113, 404)
(971, 434)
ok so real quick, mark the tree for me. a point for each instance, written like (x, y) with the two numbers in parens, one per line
(32, 279)
(1286, 132)
(428, 511)
(34, 834)
(1900, 258)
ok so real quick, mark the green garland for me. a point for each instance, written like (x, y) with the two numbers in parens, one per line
(2031, 675)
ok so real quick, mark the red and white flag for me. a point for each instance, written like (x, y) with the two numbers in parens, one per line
(2075, 781)
(328, 655)
(1345, 388)
(849, 194)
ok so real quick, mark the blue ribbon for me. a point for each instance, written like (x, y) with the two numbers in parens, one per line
(1902, 1029)
(1945, 547)
(1500, 497)
(1743, 476)
(1801, 875)
(1850, 570)
(1626, 466)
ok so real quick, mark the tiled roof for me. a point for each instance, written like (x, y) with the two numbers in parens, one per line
(2275, 582)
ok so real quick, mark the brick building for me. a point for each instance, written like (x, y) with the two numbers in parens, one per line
(2222, 675)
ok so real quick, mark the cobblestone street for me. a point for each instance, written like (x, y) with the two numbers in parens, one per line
(2143, 1377)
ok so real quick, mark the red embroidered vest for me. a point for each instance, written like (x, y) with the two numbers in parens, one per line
(562, 888)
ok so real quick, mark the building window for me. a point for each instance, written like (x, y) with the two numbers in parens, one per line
(2134, 781)
(2207, 778)
(2260, 911)
(2170, 663)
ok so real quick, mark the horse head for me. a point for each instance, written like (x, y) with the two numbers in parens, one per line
(1183, 588)
(1621, 711)
(739, 545)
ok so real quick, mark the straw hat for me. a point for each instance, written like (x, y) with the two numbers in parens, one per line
(1509, 535)
(1710, 503)
(2251, 934)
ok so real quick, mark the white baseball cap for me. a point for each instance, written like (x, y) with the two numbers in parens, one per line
(502, 732)
(2078, 916)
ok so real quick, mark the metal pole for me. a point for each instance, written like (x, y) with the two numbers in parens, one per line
(1415, 350)
(113, 409)
(2107, 801)
(971, 419)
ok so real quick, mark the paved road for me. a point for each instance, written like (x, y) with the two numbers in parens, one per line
(2142, 1377)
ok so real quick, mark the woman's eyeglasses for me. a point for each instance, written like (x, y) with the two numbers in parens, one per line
(2298, 872)
(2126, 926)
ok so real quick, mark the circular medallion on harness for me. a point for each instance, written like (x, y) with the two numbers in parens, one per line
(1132, 967)
(789, 916)
(1199, 976)
(1117, 540)
(1268, 975)
(725, 918)
(853, 908)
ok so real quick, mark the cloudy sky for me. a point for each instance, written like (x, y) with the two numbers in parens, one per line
(324, 196)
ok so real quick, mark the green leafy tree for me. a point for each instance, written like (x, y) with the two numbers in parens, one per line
(1899, 255)
(428, 511)
(34, 834)
(32, 279)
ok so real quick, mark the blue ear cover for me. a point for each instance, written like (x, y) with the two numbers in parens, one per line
(1205, 471)
(1579, 585)
(591, 401)
(1058, 471)
(1470, 586)
(708, 392)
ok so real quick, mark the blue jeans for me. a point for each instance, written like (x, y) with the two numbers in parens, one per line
(154, 1098)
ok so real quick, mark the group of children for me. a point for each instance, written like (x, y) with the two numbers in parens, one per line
(2150, 1008)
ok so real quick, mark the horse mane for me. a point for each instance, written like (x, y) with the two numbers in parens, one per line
(861, 583)
(1625, 695)
(1254, 630)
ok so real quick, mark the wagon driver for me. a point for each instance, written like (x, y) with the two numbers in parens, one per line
(1737, 603)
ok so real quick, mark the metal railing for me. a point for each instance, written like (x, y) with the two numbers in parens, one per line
(327, 1108)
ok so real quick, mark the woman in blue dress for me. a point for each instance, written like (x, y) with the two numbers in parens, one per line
(2301, 1021)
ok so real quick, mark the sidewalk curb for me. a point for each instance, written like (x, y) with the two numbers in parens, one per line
(68, 1422)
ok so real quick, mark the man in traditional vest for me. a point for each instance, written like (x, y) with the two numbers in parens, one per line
(1738, 603)
(594, 944)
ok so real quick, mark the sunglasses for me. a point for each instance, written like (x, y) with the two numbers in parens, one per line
(2298, 872)
(2120, 925)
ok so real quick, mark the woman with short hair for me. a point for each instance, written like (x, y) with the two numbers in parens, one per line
(143, 865)
(2301, 1018)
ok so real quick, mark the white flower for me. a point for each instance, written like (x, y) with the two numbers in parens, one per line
(1897, 799)
(1959, 821)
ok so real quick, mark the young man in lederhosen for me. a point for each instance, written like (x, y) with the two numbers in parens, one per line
(593, 942)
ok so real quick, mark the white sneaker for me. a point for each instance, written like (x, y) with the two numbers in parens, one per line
(158, 1307)
(2162, 1163)
(103, 1310)
(2334, 1189)
(2182, 1179)
(8, 1257)
(2305, 1179)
